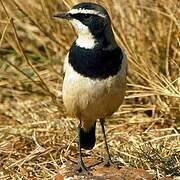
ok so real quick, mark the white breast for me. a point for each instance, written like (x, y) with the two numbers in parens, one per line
(89, 99)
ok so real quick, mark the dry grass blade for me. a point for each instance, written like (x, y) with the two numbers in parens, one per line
(27, 60)
(4, 31)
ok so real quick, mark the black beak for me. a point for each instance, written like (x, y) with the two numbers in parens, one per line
(62, 15)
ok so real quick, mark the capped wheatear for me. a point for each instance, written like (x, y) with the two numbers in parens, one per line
(95, 73)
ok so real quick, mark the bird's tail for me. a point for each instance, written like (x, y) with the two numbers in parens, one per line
(88, 138)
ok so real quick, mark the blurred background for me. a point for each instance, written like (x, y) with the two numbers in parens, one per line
(36, 136)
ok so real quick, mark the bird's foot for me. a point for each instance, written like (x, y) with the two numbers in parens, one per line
(117, 163)
(108, 163)
(82, 169)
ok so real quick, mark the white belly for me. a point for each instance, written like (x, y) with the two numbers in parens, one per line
(89, 99)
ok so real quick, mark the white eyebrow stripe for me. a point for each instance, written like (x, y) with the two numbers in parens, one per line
(86, 11)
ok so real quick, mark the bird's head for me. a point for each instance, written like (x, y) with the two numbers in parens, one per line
(92, 24)
(87, 17)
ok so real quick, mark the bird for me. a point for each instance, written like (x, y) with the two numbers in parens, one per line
(95, 69)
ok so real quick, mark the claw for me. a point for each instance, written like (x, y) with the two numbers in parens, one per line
(82, 169)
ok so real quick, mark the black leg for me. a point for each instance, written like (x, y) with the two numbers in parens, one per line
(109, 161)
(81, 165)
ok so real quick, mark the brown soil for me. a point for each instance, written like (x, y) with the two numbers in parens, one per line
(100, 172)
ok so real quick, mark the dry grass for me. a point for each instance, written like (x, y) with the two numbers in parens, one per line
(36, 137)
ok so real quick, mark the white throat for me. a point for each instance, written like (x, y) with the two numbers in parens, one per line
(86, 41)
(85, 38)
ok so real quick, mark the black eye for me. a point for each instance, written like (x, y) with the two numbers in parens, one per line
(87, 16)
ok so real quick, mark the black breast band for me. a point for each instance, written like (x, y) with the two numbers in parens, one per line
(95, 63)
